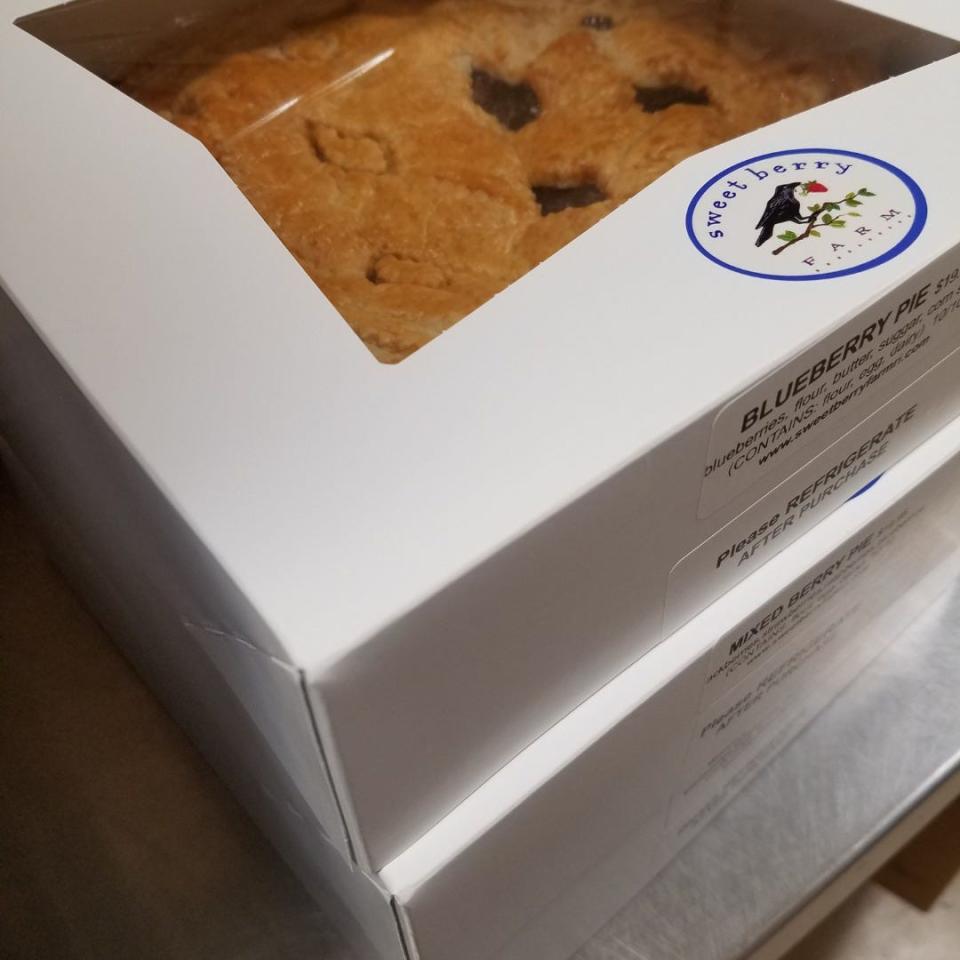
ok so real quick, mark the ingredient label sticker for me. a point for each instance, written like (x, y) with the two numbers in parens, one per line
(813, 492)
(777, 666)
(859, 366)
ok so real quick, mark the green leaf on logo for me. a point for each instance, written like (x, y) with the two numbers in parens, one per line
(815, 208)
(827, 218)
(849, 196)
(787, 236)
(853, 213)
(850, 202)
(864, 192)
(814, 233)
(837, 223)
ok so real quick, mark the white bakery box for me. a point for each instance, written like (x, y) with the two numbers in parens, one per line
(402, 576)
(406, 574)
(562, 836)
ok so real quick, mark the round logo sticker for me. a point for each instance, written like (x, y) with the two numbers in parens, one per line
(810, 214)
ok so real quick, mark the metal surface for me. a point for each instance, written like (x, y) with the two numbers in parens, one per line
(887, 753)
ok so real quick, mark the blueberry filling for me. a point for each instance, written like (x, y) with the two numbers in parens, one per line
(597, 21)
(654, 99)
(513, 104)
(553, 199)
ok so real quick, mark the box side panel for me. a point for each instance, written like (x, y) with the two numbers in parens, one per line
(483, 897)
(193, 689)
(617, 795)
(605, 888)
(180, 616)
(576, 915)
(453, 690)
(555, 614)
(529, 633)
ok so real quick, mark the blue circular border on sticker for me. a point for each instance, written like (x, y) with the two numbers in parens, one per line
(919, 222)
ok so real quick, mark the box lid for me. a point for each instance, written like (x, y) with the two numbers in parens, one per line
(339, 493)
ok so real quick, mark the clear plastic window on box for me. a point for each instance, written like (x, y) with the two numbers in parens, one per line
(416, 158)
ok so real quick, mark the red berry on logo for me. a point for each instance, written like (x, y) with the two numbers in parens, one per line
(814, 187)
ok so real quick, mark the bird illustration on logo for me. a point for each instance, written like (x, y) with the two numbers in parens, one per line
(784, 207)
(806, 214)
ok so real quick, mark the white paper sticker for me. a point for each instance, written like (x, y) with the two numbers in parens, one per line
(813, 492)
(807, 214)
(774, 668)
(813, 397)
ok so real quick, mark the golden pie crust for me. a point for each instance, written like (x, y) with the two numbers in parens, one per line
(417, 158)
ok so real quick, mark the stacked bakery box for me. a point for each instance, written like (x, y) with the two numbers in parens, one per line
(402, 382)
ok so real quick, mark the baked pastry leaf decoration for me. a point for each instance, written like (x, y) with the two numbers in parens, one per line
(553, 199)
(513, 104)
(655, 99)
